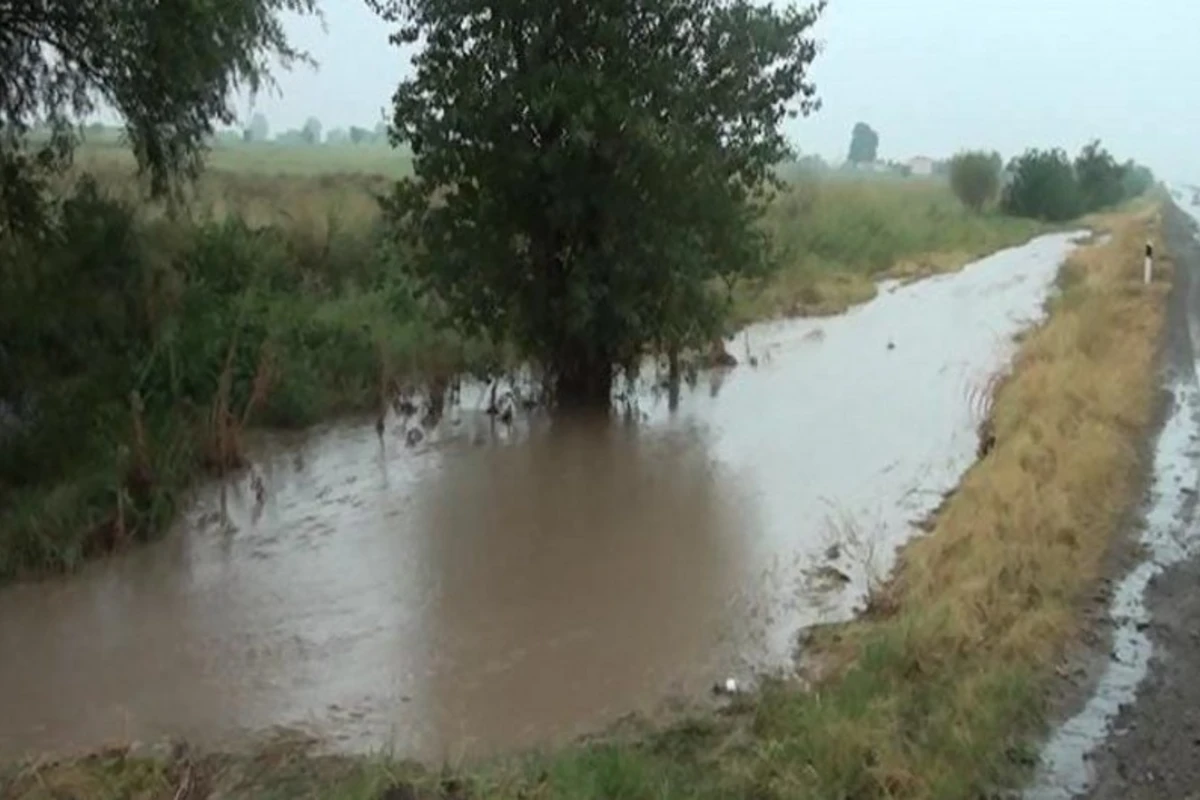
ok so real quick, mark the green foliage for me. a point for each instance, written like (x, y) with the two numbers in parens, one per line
(1101, 178)
(975, 178)
(864, 144)
(1042, 186)
(584, 171)
(1046, 185)
(106, 305)
(168, 68)
(837, 236)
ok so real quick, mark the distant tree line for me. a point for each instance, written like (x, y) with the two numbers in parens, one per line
(1047, 184)
(259, 131)
(311, 133)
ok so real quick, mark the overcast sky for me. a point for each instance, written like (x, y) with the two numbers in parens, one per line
(931, 76)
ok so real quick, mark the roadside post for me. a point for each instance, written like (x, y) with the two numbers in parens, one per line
(1149, 270)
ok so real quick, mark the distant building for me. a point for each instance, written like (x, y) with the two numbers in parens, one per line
(921, 166)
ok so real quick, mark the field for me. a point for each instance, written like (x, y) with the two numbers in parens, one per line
(937, 692)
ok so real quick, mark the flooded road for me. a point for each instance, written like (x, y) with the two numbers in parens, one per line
(1135, 735)
(493, 588)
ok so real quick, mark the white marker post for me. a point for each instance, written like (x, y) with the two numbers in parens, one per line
(1149, 270)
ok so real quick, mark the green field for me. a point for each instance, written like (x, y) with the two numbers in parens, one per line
(271, 158)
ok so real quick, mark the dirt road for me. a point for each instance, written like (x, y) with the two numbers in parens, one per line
(1154, 748)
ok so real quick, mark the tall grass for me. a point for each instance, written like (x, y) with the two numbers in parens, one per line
(838, 235)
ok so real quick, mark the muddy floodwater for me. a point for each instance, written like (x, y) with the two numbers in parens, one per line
(496, 587)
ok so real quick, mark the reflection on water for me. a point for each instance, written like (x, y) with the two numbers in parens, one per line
(497, 586)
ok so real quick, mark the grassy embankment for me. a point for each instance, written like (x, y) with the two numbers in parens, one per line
(936, 693)
(279, 302)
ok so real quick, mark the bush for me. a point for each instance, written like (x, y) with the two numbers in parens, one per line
(1042, 185)
(1101, 178)
(115, 335)
(975, 178)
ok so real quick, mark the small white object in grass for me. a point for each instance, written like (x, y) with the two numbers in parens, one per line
(727, 686)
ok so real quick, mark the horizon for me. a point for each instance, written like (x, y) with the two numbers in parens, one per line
(932, 78)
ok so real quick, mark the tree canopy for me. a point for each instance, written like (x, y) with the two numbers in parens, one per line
(1043, 186)
(864, 144)
(1101, 178)
(169, 69)
(975, 178)
(586, 170)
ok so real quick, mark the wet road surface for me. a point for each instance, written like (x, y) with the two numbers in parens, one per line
(493, 588)
(1139, 735)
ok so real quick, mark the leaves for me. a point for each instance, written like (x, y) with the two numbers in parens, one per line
(584, 170)
(1043, 186)
(975, 178)
(169, 69)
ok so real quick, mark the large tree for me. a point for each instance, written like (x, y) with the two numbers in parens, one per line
(169, 68)
(864, 144)
(586, 170)
(1101, 177)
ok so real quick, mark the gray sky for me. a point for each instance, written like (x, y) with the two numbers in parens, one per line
(931, 76)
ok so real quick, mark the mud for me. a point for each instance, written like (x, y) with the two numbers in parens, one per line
(500, 583)
(1138, 733)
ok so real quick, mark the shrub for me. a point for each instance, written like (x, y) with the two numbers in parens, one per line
(1101, 178)
(1042, 185)
(975, 178)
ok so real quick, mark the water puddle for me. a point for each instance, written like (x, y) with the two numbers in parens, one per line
(495, 587)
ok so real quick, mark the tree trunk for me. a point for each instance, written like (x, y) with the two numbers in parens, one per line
(583, 378)
(673, 377)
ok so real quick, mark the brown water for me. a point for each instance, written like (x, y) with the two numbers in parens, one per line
(493, 588)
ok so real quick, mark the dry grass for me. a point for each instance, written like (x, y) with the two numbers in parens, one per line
(1029, 525)
(988, 602)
